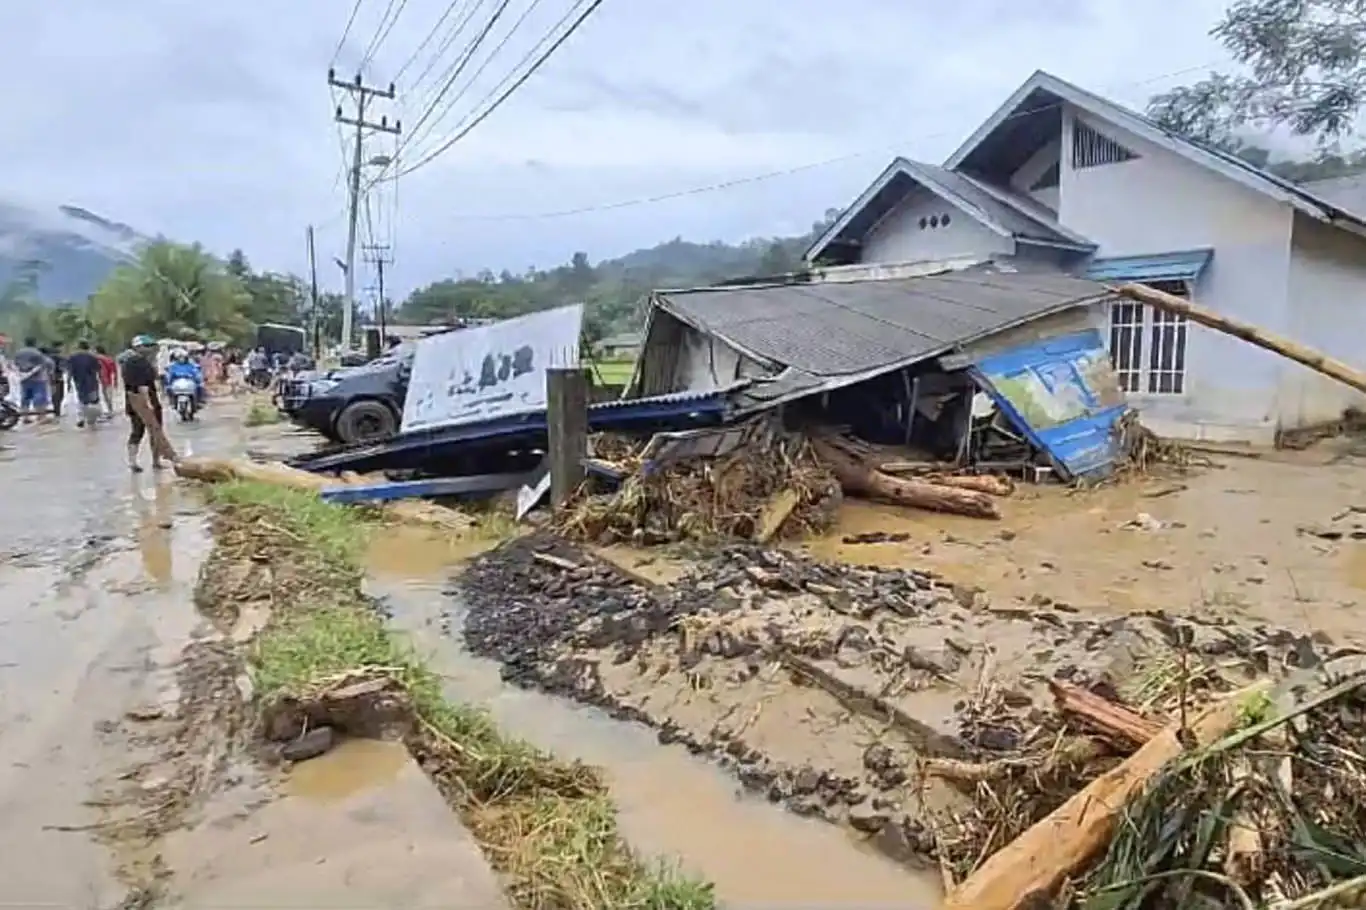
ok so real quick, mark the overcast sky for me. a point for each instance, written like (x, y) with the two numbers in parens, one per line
(213, 121)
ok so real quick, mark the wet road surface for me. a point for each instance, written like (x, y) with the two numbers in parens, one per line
(97, 567)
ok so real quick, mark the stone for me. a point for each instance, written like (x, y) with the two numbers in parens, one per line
(312, 744)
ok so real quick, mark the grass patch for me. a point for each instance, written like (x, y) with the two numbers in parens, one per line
(261, 413)
(548, 827)
(613, 372)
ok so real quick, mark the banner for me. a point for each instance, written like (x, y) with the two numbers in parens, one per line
(497, 370)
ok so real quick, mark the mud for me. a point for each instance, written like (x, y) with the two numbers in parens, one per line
(820, 685)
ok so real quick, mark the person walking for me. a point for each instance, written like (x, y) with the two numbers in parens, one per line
(57, 379)
(143, 405)
(84, 369)
(34, 370)
(109, 377)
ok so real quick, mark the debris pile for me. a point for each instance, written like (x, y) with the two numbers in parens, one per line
(1214, 795)
(1139, 449)
(725, 497)
(825, 687)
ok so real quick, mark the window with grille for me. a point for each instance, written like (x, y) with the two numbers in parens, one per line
(1091, 149)
(1148, 346)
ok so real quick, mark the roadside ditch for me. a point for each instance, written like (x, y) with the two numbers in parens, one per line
(306, 659)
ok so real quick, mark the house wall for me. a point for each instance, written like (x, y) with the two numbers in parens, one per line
(1161, 202)
(899, 238)
(1033, 169)
(1327, 304)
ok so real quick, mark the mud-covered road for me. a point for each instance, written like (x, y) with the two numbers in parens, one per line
(97, 567)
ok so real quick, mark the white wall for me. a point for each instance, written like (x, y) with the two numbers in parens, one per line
(1158, 203)
(898, 237)
(1327, 302)
(1033, 169)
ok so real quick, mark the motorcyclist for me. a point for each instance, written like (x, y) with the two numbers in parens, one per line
(258, 368)
(181, 366)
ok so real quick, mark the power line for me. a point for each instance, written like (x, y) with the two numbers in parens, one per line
(753, 178)
(412, 58)
(374, 39)
(450, 105)
(350, 21)
(456, 69)
(453, 33)
(497, 102)
(383, 31)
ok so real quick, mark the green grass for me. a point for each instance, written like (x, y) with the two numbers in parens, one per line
(613, 372)
(547, 826)
(261, 413)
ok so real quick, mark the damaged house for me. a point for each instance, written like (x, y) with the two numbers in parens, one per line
(1061, 177)
(976, 362)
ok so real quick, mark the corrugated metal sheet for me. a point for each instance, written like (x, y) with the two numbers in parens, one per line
(1183, 266)
(1063, 395)
(836, 329)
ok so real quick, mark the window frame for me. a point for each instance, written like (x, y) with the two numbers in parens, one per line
(1159, 349)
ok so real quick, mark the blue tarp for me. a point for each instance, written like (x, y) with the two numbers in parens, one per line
(1063, 395)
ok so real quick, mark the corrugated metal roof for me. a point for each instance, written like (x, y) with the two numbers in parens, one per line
(1349, 193)
(839, 328)
(1183, 266)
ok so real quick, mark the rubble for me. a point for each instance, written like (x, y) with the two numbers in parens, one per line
(707, 498)
(885, 700)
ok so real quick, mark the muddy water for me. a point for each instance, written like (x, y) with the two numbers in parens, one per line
(1227, 539)
(671, 804)
(96, 570)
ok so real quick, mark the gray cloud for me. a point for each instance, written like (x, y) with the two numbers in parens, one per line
(212, 122)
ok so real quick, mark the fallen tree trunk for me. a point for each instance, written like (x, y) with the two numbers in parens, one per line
(1111, 720)
(216, 470)
(1292, 350)
(1037, 861)
(980, 483)
(859, 478)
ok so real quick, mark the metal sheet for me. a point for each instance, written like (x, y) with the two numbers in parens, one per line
(1063, 396)
(1183, 266)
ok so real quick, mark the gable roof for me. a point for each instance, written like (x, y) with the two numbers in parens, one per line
(1043, 93)
(1347, 192)
(999, 211)
(859, 328)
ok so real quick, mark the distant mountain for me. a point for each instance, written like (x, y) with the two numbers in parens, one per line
(71, 249)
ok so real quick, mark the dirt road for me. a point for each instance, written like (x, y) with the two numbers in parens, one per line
(97, 567)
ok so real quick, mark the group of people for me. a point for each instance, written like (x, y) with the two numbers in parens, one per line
(45, 373)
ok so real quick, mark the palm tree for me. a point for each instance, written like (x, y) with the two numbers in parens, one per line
(171, 291)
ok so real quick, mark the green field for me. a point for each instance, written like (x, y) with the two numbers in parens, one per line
(613, 372)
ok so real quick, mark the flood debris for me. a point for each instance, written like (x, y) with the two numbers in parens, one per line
(326, 667)
(771, 486)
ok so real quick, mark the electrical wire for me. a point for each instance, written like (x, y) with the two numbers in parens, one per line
(412, 58)
(346, 32)
(446, 42)
(380, 32)
(498, 101)
(457, 68)
(757, 178)
(479, 71)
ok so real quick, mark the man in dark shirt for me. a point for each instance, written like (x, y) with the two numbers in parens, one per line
(58, 383)
(84, 369)
(141, 401)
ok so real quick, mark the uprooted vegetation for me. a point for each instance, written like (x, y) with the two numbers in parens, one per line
(325, 657)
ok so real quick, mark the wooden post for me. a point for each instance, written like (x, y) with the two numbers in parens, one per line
(566, 400)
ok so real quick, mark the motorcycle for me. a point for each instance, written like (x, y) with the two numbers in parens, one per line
(184, 397)
(9, 412)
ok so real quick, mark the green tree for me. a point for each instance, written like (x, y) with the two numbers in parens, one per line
(172, 291)
(1306, 70)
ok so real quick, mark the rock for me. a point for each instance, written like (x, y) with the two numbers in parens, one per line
(312, 744)
(145, 712)
(867, 820)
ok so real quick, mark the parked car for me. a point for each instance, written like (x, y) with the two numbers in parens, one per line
(351, 404)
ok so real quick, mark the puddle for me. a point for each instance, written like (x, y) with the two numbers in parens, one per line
(416, 555)
(672, 804)
(354, 765)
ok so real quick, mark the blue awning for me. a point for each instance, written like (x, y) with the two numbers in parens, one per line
(1183, 266)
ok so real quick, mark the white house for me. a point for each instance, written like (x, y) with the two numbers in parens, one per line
(1060, 175)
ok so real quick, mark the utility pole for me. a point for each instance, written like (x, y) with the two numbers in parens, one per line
(361, 94)
(313, 277)
(380, 255)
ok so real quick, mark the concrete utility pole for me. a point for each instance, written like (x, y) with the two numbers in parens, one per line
(361, 94)
(380, 255)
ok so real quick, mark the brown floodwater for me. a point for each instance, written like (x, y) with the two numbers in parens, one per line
(671, 804)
